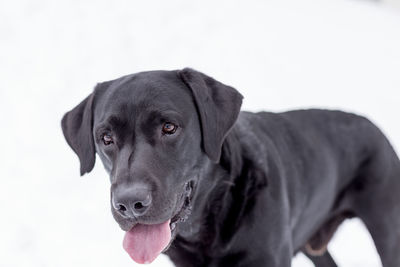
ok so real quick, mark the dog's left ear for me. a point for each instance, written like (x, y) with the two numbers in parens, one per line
(218, 106)
(77, 126)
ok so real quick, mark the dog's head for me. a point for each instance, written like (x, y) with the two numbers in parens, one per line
(154, 132)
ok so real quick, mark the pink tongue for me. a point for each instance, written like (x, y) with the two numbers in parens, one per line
(145, 242)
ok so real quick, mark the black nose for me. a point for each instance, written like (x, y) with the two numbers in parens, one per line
(131, 201)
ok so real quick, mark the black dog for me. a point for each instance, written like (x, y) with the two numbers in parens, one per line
(193, 177)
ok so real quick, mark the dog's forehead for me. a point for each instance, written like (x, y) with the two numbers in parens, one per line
(144, 92)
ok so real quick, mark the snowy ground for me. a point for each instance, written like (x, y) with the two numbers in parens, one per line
(280, 54)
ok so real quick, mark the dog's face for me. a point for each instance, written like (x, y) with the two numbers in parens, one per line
(148, 137)
(154, 132)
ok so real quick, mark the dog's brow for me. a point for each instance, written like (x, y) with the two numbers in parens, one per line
(114, 121)
(165, 114)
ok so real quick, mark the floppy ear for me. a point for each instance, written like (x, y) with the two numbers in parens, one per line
(218, 106)
(77, 126)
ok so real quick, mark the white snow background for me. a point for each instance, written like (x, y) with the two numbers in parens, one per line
(279, 54)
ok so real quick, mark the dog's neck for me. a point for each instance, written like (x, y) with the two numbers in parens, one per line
(214, 226)
(215, 184)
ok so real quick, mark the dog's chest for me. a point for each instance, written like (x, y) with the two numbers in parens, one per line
(197, 257)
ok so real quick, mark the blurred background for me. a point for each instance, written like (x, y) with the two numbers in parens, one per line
(336, 54)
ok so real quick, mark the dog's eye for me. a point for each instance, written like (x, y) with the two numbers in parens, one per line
(107, 139)
(169, 128)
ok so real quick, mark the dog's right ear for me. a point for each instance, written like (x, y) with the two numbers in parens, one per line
(77, 126)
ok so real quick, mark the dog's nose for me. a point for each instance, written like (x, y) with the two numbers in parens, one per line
(132, 201)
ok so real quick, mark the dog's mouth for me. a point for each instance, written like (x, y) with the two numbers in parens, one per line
(144, 242)
(185, 207)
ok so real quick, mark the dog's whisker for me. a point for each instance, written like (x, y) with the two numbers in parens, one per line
(229, 183)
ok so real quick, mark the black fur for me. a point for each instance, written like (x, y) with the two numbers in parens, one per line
(245, 189)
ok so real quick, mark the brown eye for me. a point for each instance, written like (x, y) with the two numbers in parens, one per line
(107, 139)
(169, 128)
